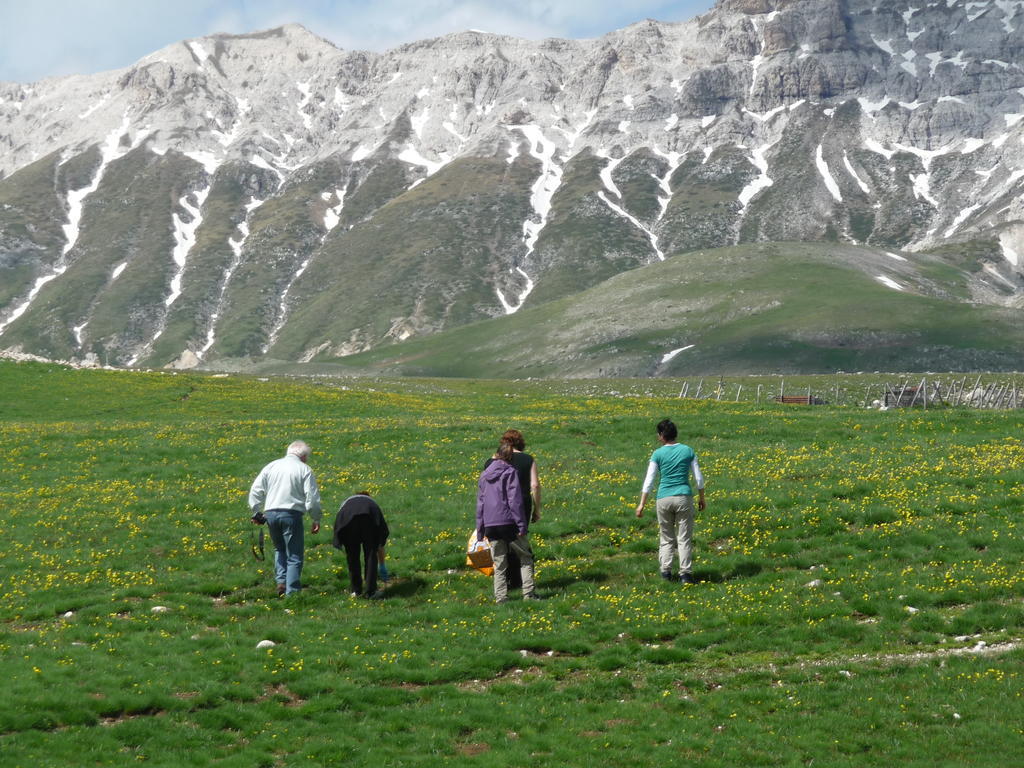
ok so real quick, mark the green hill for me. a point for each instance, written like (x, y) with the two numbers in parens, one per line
(772, 307)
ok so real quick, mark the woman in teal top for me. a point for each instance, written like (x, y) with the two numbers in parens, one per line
(674, 462)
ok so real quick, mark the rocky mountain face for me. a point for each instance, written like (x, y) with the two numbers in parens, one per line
(269, 196)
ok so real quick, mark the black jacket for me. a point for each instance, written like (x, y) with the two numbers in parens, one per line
(355, 506)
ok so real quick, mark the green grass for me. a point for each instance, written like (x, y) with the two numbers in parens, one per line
(785, 307)
(125, 491)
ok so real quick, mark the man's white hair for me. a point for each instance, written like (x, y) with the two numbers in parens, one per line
(299, 448)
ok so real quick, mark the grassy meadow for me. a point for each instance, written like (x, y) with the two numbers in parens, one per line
(859, 596)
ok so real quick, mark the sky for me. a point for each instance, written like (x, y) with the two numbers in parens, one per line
(45, 38)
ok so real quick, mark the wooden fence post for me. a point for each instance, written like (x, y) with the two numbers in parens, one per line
(977, 383)
(899, 400)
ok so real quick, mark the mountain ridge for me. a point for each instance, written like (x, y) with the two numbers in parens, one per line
(297, 201)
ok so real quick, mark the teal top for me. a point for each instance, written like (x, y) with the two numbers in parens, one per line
(674, 463)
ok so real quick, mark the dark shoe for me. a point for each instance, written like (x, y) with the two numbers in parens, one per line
(280, 589)
(666, 575)
(687, 578)
(532, 596)
(378, 595)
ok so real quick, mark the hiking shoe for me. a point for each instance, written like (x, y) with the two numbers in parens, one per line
(532, 596)
(378, 595)
(501, 600)
(666, 575)
(280, 589)
(687, 578)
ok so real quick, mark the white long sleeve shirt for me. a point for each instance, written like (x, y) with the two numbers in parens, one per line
(287, 483)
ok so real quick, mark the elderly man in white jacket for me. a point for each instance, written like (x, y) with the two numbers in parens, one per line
(282, 491)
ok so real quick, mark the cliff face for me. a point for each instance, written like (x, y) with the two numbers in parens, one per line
(269, 195)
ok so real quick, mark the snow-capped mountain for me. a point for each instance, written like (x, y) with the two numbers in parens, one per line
(269, 195)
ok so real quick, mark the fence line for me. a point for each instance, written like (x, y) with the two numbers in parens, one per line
(1000, 393)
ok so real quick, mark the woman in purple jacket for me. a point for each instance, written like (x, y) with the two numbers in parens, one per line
(500, 518)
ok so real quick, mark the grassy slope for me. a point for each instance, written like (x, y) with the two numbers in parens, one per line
(637, 179)
(205, 266)
(584, 241)
(703, 208)
(128, 218)
(31, 215)
(124, 491)
(285, 231)
(426, 257)
(771, 307)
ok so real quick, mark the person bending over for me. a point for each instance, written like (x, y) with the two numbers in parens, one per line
(360, 528)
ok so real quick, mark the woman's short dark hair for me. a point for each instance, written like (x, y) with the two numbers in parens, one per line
(667, 429)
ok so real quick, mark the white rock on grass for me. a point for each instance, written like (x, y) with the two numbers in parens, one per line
(265, 644)
(159, 609)
(816, 584)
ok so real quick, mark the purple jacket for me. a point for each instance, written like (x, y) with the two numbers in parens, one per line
(499, 500)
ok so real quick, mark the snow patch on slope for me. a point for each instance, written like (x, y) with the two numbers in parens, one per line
(675, 159)
(236, 260)
(541, 193)
(960, 219)
(853, 172)
(333, 214)
(763, 181)
(635, 222)
(282, 308)
(412, 156)
(109, 152)
(669, 355)
(826, 175)
(185, 238)
(606, 172)
(1009, 245)
(889, 282)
